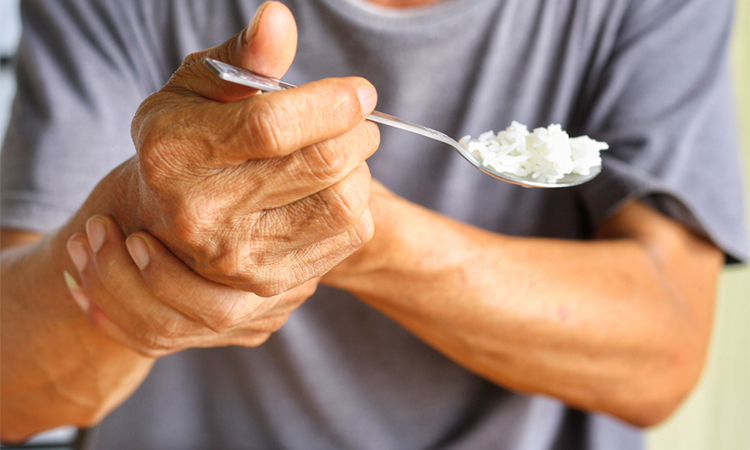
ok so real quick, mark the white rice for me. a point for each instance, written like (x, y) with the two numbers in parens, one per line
(545, 155)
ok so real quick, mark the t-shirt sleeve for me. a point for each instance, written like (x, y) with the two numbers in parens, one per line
(663, 101)
(78, 89)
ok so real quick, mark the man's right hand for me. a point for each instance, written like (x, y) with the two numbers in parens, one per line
(263, 193)
(258, 192)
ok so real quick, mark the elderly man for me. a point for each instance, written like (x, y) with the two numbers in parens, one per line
(439, 309)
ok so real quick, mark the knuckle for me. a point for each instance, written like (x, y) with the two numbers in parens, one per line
(189, 68)
(339, 215)
(271, 288)
(228, 268)
(192, 59)
(258, 274)
(324, 163)
(275, 277)
(148, 151)
(264, 126)
(159, 153)
(143, 121)
(185, 225)
(190, 230)
(363, 232)
(275, 323)
(345, 203)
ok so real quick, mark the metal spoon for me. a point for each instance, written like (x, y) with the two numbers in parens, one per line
(245, 77)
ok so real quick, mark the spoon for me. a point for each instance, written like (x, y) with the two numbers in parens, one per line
(245, 77)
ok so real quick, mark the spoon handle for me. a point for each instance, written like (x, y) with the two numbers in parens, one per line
(244, 77)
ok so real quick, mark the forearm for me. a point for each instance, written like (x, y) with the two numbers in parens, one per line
(56, 369)
(594, 324)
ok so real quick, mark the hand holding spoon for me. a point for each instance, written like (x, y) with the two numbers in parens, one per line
(245, 77)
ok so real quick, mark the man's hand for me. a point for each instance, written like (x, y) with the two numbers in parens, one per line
(153, 303)
(258, 192)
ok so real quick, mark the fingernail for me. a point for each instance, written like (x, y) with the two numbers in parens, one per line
(78, 254)
(95, 230)
(75, 290)
(138, 251)
(253, 28)
(368, 97)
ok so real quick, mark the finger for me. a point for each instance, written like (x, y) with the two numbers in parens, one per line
(114, 282)
(277, 182)
(290, 245)
(218, 307)
(275, 124)
(154, 344)
(154, 349)
(266, 46)
(90, 287)
(285, 304)
(255, 331)
(96, 317)
(321, 257)
(320, 216)
(264, 126)
(276, 312)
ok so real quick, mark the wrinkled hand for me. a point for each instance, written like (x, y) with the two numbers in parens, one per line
(258, 192)
(142, 296)
(386, 209)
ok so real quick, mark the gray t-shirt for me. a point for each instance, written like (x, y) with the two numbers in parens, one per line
(650, 77)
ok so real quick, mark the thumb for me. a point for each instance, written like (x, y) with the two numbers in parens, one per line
(270, 41)
(266, 46)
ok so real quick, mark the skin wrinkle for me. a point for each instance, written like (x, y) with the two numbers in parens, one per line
(344, 211)
(263, 126)
(192, 69)
(324, 165)
(339, 215)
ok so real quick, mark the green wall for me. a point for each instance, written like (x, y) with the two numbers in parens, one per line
(717, 414)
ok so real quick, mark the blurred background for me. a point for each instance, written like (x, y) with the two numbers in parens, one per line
(717, 414)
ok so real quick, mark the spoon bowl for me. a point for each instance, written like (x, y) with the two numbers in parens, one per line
(245, 77)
